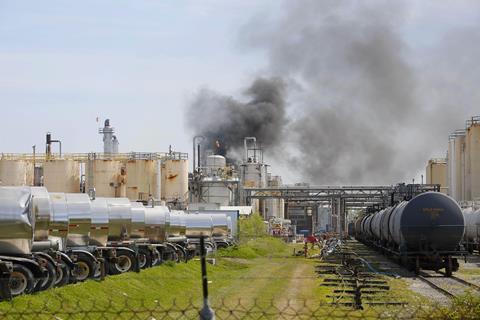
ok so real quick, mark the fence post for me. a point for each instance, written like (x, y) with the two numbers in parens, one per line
(206, 313)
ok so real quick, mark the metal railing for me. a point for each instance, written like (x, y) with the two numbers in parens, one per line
(83, 157)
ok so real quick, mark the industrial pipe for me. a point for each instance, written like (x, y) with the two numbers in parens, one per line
(194, 151)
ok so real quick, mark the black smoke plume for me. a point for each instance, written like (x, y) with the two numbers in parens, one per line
(225, 121)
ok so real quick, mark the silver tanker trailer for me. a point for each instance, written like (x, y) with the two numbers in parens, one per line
(51, 239)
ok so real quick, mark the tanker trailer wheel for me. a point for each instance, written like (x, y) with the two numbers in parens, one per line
(156, 258)
(22, 280)
(48, 281)
(63, 275)
(86, 267)
(144, 258)
(170, 256)
(125, 262)
(181, 256)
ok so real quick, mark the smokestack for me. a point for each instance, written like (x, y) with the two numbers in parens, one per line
(110, 141)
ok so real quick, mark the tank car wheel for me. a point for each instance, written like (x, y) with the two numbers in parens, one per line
(125, 262)
(51, 277)
(22, 280)
(86, 268)
(448, 267)
(63, 275)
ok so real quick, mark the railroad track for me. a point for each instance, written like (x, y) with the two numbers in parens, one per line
(463, 281)
(435, 286)
(438, 284)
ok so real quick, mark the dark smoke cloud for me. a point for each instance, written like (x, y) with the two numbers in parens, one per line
(366, 107)
(358, 87)
(228, 121)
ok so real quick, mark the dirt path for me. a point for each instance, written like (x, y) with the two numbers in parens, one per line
(273, 279)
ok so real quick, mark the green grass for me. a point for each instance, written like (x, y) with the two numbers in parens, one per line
(255, 248)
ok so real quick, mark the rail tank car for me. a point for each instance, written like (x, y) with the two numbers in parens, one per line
(472, 230)
(424, 232)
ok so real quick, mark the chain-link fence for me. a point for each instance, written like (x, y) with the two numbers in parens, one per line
(151, 309)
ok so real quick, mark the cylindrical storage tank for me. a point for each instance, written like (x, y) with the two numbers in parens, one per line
(138, 221)
(79, 219)
(16, 220)
(220, 226)
(253, 175)
(16, 173)
(100, 222)
(141, 179)
(199, 225)
(104, 175)
(473, 153)
(472, 225)
(157, 223)
(119, 219)
(451, 177)
(215, 163)
(275, 208)
(61, 176)
(459, 150)
(178, 225)
(430, 220)
(176, 180)
(217, 191)
(42, 211)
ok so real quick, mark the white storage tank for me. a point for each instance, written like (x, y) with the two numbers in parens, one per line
(218, 191)
(104, 176)
(61, 176)
(456, 165)
(16, 173)
(175, 177)
(141, 179)
(215, 164)
(274, 207)
(254, 175)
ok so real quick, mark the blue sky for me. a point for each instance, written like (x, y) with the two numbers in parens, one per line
(63, 63)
